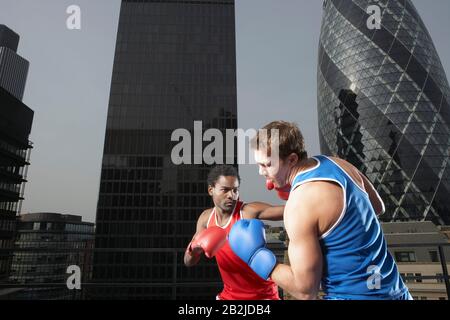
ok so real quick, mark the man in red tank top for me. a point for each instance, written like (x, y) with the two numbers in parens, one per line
(240, 281)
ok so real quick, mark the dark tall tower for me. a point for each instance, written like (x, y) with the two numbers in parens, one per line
(175, 63)
(8, 38)
(15, 126)
(13, 68)
(394, 125)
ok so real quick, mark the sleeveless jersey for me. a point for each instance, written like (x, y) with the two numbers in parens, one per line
(239, 280)
(356, 261)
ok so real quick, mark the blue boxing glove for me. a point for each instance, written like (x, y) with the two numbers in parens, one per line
(247, 239)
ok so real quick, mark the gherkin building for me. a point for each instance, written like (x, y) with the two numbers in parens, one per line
(383, 104)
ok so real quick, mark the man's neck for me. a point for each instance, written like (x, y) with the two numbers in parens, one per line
(221, 213)
(222, 216)
(303, 165)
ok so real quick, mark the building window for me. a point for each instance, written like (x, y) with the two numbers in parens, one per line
(434, 256)
(409, 275)
(418, 275)
(405, 256)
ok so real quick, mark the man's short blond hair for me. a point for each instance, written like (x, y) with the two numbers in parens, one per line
(289, 136)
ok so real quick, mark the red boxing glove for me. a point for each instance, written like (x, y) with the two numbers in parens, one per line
(283, 193)
(210, 240)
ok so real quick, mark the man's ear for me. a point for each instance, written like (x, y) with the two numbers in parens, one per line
(293, 159)
(210, 190)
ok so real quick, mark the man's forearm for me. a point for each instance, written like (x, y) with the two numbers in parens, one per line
(272, 213)
(283, 276)
(191, 260)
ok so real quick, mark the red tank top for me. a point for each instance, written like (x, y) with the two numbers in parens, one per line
(240, 282)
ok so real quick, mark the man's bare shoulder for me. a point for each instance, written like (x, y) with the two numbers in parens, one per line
(204, 216)
(342, 162)
(316, 203)
(316, 198)
(313, 191)
(350, 169)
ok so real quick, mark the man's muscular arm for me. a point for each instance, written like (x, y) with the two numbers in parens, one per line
(191, 258)
(262, 211)
(306, 205)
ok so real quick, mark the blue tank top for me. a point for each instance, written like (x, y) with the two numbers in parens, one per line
(357, 264)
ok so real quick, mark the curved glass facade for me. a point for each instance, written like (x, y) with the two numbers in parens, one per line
(383, 104)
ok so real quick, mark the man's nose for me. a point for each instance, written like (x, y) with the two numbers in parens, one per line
(232, 194)
(262, 171)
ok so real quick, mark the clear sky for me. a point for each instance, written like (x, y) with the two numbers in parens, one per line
(70, 75)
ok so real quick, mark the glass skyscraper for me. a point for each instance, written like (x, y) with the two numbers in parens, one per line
(13, 68)
(16, 120)
(175, 63)
(383, 104)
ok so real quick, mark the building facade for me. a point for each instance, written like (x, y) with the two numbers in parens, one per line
(383, 105)
(46, 245)
(175, 63)
(15, 127)
(421, 251)
(13, 68)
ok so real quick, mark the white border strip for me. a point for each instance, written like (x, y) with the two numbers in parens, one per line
(210, 216)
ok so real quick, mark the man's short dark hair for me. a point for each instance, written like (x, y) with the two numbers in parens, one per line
(222, 170)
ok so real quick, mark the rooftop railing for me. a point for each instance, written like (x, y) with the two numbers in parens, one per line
(42, 277)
